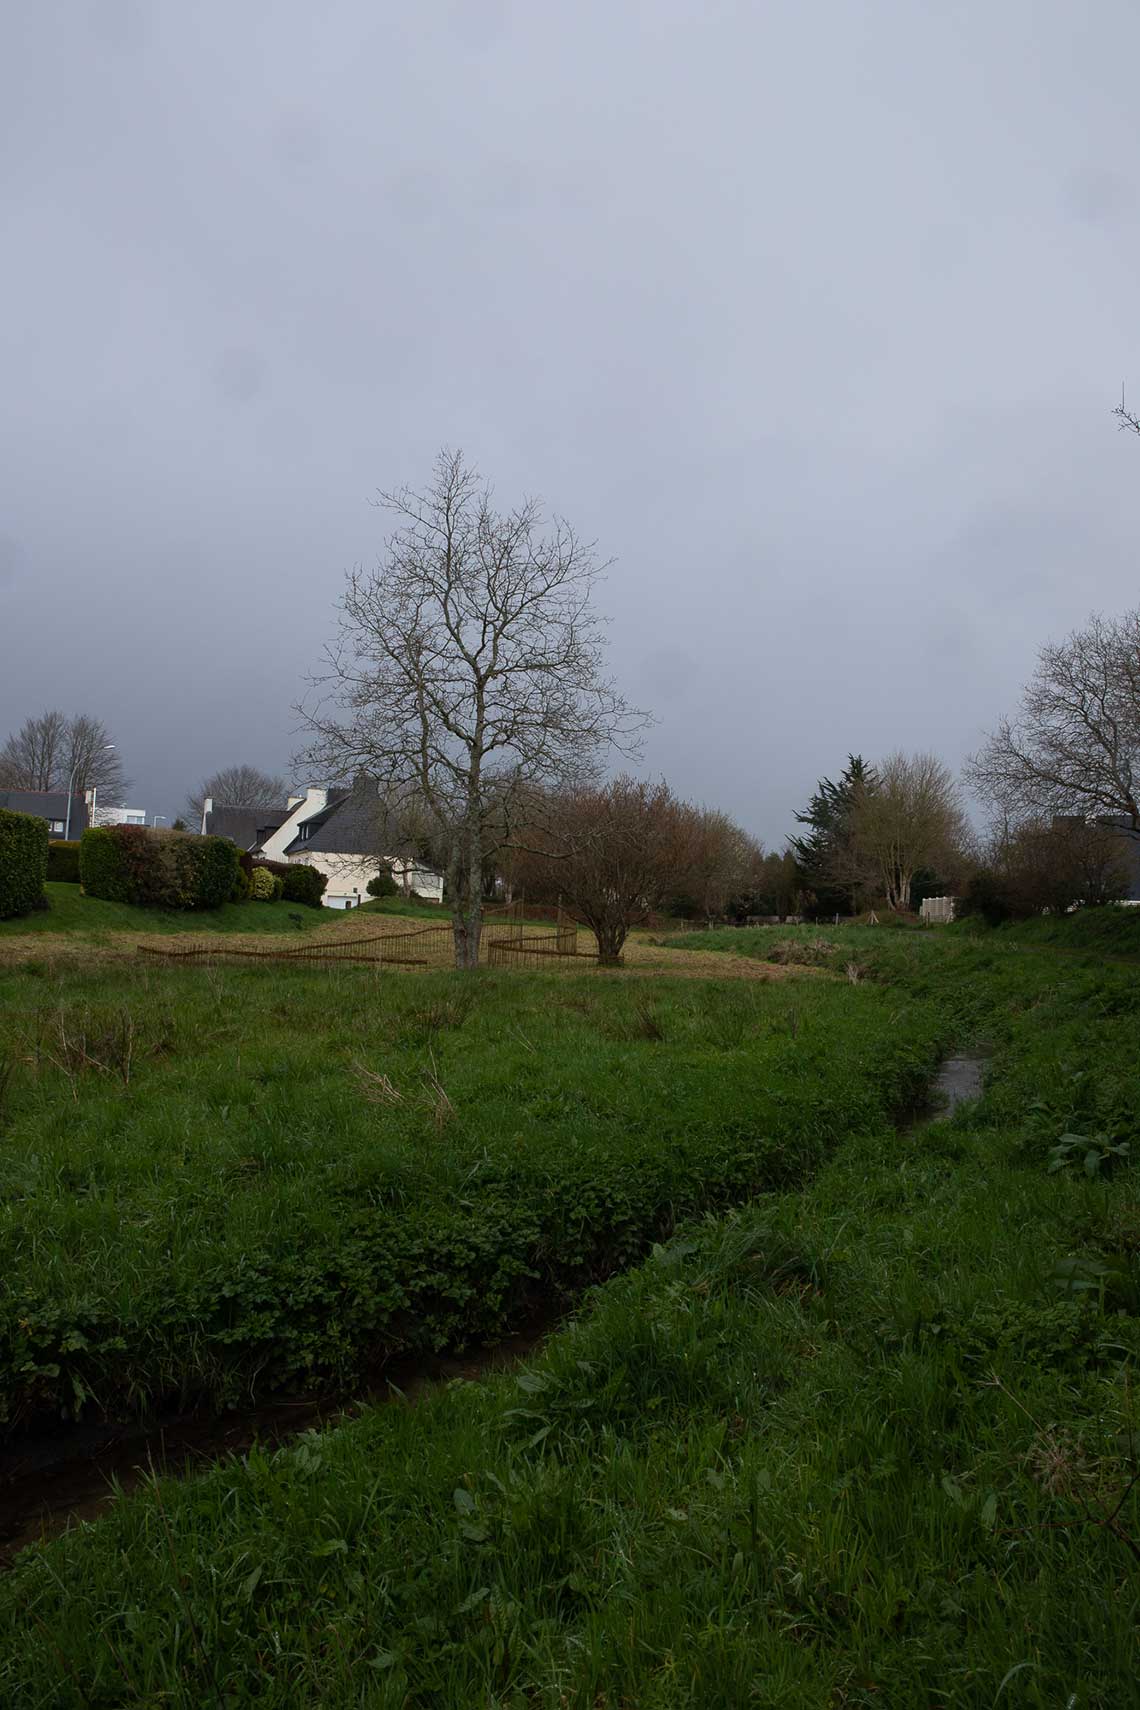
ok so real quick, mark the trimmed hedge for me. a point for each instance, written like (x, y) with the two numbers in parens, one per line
(383, 885)
(299, 882)
(63, 862)
(157, 869)
(304, 884)
(262, 885)
(23, 863)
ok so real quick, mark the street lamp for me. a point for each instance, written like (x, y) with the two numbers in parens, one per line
(71, 786)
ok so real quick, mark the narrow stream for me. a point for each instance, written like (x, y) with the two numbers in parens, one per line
(958, 1081)
(72, 1473)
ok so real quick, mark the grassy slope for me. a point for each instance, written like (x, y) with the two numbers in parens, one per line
(1112, 931)
(255, 1207)
(72, 912)
(840, 1449)
(411, 907)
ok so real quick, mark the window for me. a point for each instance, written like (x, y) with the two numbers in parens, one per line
(55, 826)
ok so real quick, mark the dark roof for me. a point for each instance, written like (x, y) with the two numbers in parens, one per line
(245, 826)
(47, 804)
(350, 824)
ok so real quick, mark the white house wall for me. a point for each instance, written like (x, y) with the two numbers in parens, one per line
(348, 876)
(313, 801)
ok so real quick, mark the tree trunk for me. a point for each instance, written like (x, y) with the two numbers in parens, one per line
(465, 879)
(611, 938)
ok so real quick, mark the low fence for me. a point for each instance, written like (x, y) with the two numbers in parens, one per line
(506, 942)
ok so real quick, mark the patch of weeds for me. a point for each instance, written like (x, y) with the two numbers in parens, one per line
(1095, 1154)
(7, 1082)
(802, 952)
(1065, 1335)
(450, 1012)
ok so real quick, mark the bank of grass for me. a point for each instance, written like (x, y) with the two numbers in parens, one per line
(219, 1183)
(1109, 931)
(70, 911)
(414, 908)
(866, 1442)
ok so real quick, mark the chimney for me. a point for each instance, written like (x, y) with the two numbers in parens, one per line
(207, 809)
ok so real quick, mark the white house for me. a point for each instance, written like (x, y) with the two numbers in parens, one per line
(335, 831)
(115, 815)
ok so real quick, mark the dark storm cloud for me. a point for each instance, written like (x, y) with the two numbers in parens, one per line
(813, 319)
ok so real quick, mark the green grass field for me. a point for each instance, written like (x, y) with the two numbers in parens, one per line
(218, 1182)
(868, 1439)
(73, 913)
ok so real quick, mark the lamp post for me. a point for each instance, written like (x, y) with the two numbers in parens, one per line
(71, 786)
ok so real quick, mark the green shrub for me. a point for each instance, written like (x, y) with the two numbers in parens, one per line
(383, 885)
(304, 884)
(261, 884)
(278, 887)
(23, 863)
(63, 862)
(243, 886)
(987, 897)
(157, 869)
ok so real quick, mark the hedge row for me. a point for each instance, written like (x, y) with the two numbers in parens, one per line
(23, 863)
(63, 862)
(157, 869)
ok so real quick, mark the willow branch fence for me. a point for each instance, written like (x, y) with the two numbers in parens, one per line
(508, 940)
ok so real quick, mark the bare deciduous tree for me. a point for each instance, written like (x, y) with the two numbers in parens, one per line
(468, 670)
(89, 752)
(616, 849)
(715, 859)
(909, 819)
(237, 786)
(29, 759)
(50, 751)
(1049, 866)
(1074, 746)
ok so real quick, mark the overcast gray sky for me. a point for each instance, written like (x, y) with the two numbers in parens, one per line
(813, 315)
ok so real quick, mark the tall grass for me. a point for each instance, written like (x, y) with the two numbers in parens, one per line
(868, 1442)
(218, 1183)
